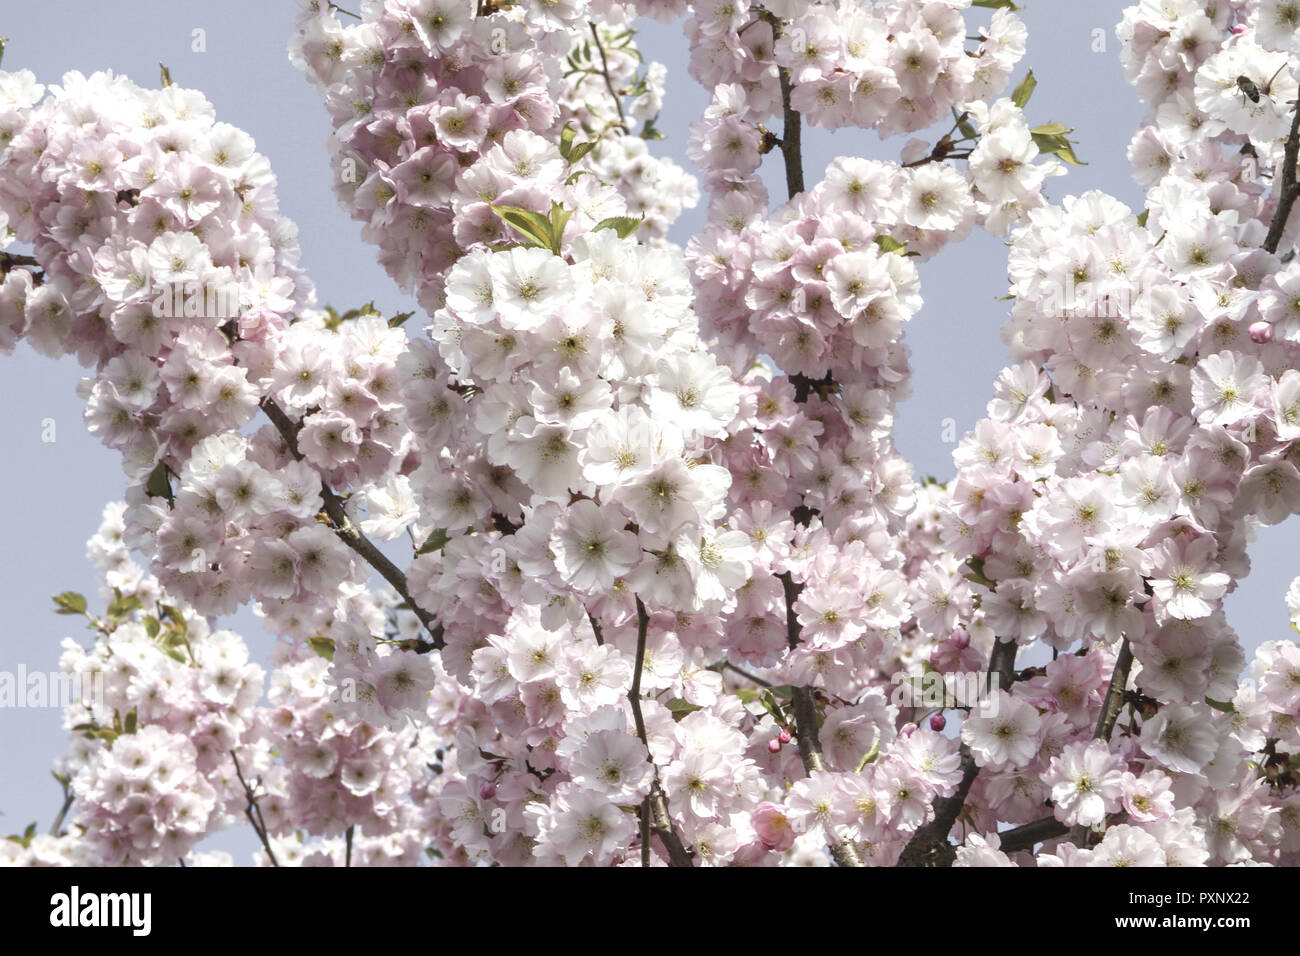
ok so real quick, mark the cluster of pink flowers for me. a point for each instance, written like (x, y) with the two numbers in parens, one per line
(623, 465)
(440, 114)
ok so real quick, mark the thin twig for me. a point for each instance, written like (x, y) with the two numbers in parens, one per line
(68, 799)
(347, 840)
(254, 812)
(351, 535)
(609, 82)
(655, 803)
(727, 665)
(804, 707)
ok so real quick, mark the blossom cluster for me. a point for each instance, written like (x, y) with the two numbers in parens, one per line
(668, 572)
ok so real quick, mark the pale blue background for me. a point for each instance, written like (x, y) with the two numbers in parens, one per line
(53, 494)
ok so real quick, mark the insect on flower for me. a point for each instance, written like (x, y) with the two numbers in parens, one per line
(1251, 91)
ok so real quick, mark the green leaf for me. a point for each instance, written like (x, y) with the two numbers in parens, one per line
(567, 136)
(1051, 129)
(890, 244)
(124, 606)
(559, 219)
(680, 708)
(649, 131)
(323, 646)
(166, 75)
(396, 321)
(69, 602)
(747, 695)
(129, 723)
(158, 485)
(1066, 153)
(173, 615)
(175, 653)
(623, 225)
(1143, 216)
(1223, 706)
(152, 626)
(435, 542)
(768, 700)
(529, 224)
(1053, 143)
(3, 42)
(995, 4)
(1025, 90)
(977, 575)
(967, 129)
(581, 150)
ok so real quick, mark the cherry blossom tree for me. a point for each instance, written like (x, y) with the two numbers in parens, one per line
(607, 556)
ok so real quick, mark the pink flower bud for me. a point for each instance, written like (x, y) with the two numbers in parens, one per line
(487, 790)
(960, 638)
(1261, 333)
(774, 745)
(783, 736)
(938, 722)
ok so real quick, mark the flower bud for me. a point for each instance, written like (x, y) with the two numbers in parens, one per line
(938, 722)
(1261, 333)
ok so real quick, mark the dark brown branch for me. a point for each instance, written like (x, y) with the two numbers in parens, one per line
(1024, 837)
(804, 707)
(792, 134)
(1114, 701)
(351, 535)
(347, 855)
(1110, 708)
(1289, 190)
(929, 846)
(655, 804)
(254, 813)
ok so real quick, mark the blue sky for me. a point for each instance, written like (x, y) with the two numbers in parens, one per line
(53, 492)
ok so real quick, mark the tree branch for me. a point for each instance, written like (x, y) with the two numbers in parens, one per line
(68, 799)
(792, 135)
(804, 707)
(1289, 191)
(1024, 837)
(609, 82)
(254, 812)
(655, 803)
(1114, 702)
(929, 846)
(351, 535)
(1110, 708)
